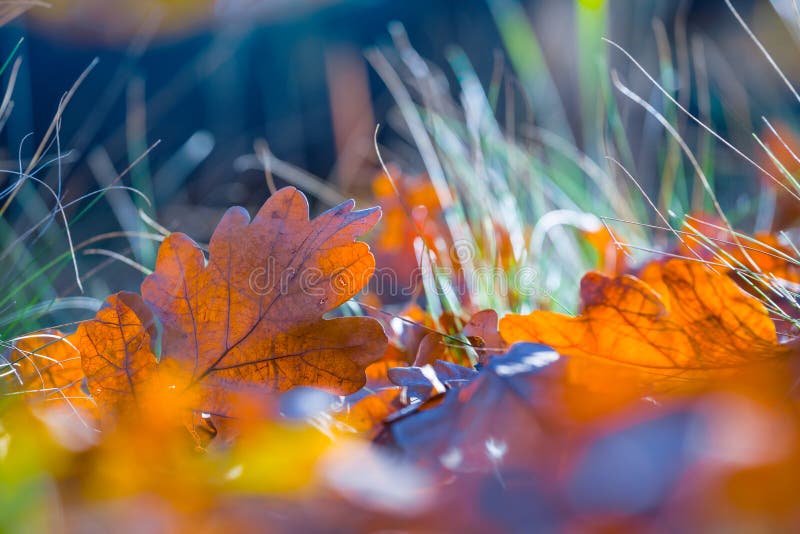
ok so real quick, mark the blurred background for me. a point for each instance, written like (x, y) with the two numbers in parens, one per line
(218, 75)
(206, 81)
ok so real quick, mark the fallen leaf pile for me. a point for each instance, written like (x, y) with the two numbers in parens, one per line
(234, 393)
(247, 319)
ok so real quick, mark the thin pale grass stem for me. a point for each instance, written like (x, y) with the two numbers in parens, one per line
(617, 243)
(62, 212)
(261, 149)
(12, 82)
(61, 303)
(658, 252)
(48, 134)
(778, 136)
(774, 253)
(119, 257)
(269, 163)
(44, 220)
(416, 324)
(693, 117)
(674, 133)
(406, 208)
(646, 197)
(763, 50)
(152, 223)
(796, 7)
(777, 162)
(745, 237)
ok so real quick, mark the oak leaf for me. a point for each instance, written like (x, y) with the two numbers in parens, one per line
(249, 318)
(117, 352)
(48, 366)
(253, 311)
(680, 323)
(475, 426)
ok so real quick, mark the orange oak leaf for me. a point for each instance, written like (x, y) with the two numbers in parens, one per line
(48, 365)
(681, 322)
(117, 352)
(253, 311)
(226, 329)
(762, 264)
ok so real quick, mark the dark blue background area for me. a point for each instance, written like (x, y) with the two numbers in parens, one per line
(270, 83)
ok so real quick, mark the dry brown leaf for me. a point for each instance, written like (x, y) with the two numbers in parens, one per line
(226, 326)
(117, 352)
(48, 365)
(253, 311)
(686, 322)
